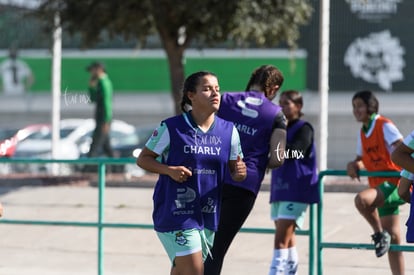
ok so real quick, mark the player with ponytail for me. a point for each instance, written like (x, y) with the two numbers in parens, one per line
(195, 150)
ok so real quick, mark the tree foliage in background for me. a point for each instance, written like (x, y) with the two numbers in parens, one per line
(179, 23)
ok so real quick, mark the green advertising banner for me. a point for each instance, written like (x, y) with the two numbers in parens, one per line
(148, 71)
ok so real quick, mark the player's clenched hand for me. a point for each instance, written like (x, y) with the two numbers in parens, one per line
(239, 172)
(179, 173)
(353, 170)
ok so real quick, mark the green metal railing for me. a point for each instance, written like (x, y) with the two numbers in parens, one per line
(321, 244)
(100, 224)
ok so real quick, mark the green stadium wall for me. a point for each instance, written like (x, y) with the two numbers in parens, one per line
(151, 75)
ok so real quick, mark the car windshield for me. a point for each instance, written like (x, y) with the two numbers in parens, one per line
(119, 138)
(47, 134)
(63, 133)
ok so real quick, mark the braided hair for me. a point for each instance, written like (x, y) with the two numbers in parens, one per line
(266, 77)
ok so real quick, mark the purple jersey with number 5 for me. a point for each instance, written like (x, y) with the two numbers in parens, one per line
(254, 116)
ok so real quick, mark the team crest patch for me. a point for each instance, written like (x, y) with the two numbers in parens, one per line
(155, 133)
(180, 239)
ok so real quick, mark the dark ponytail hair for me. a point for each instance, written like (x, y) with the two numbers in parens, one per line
(190, 85)
(266, 77)
(369, 99)
(295, 97)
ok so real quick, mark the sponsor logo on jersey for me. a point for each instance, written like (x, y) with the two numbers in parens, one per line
(210, 207)
(203, 171)
(202, 150)
(204, 145)
(184, 195)
(246, 111)
(246, 129)
(281, 185)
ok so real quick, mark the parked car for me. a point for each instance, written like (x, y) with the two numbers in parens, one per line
(6, 140)
(132, 150)
(10, 138)
(75, 141)
(128, 147)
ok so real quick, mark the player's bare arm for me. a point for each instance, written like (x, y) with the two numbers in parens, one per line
(353, 167)
(402, 157)
(404, 189)
(277, 148)
(147, 160)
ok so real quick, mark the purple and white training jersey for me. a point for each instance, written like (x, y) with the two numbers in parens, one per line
(193, 204)
(254, 116)
(297, 179)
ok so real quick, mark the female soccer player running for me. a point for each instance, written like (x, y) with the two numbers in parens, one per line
(379, 204)
(195, 149)
(294, 185)
(262, 128)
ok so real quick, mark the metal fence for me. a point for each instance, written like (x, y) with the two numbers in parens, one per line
(100, 224)
(321, 245)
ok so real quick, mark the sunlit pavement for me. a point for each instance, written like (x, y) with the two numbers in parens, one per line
(45, 250)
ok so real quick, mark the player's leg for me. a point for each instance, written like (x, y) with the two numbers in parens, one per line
(285, 230)
(367, 202)
(188, 265)
(287, 216)
(391, 223)
(236, 205)
(293, 258)
(191, 264)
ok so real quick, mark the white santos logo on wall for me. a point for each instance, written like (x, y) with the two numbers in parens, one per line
(373, 9)
(377, 58)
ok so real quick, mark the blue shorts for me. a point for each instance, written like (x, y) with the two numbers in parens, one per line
(289, 211)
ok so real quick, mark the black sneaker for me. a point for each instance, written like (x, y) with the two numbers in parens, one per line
(382, 242)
